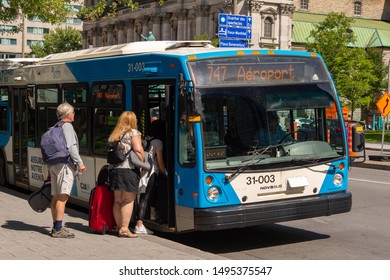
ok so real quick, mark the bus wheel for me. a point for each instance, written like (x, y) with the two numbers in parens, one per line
(3, 175)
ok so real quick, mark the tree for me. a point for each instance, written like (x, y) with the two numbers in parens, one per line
(52, 11)
(354, 77)
(108, 8)
(205, 37)
(331, 37)
(55, 11)
(354, 70)
(57, 41)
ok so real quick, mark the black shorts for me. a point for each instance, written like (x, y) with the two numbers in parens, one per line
(124, 179)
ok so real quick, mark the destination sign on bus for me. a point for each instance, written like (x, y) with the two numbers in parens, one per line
(242, 71)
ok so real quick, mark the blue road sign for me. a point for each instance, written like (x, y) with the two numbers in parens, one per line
(230, 43)
(234, 32)
(235, 26)
(235, 20)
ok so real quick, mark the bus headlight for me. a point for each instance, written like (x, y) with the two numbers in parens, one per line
(338, 179)
(213, 193)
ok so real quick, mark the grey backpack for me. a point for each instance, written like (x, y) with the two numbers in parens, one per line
(40, 199)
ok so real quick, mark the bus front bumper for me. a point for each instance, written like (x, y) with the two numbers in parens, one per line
(240, 216)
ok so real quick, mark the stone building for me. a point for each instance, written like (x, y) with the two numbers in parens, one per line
(184, 19)
(367, 9)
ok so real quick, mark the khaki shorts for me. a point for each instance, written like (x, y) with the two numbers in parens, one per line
(61, 178)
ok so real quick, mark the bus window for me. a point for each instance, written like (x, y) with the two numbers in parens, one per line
(186, 141)
(3, 94)
(47, 102)
(108, 94)
(47, 117)
(76, 95)
(104, 121)
(47, 95)
(108, 103)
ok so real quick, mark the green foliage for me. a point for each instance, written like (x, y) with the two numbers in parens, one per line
(358, 74)
(354, 77)
(52, 11)
(380, 70)
(205, 37)
(58, 41)
(108, 8)
(375, 136)
(330, 38)
(55, 11)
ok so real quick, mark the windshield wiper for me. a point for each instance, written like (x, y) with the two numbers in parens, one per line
(252, 161)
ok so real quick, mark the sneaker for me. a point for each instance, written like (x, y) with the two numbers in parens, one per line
(142, 230)
(63, 233)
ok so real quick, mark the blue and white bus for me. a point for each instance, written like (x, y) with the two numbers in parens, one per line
(214, 102)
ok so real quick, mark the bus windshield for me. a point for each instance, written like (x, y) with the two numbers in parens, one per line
(269, 125)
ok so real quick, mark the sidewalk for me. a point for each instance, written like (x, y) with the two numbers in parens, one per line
(379, 158)
(24, 235)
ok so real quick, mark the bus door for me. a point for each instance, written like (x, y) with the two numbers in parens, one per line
(153, 100)
(5, 133)
(20, 136)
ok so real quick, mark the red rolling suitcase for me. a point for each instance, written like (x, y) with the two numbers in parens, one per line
(101, 218)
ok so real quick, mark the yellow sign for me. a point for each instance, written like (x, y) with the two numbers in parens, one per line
(383, 104)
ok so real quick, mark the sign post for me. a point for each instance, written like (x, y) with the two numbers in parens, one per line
(383, 106)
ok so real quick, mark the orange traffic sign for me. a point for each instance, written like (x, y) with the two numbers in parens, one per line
(383, 104)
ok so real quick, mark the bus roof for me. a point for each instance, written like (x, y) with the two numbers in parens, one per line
(125, 49)
(17, 62)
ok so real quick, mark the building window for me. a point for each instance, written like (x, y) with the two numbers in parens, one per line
(268, 25)
(37, 30)
(357, 8)
(72, 21)
(34, 42)
(34, 19)
(7, 41)
(304, 4)
(8, 28)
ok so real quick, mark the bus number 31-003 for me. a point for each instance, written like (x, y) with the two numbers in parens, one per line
(262, 179)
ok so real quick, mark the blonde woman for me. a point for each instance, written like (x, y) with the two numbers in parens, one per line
(123, 177)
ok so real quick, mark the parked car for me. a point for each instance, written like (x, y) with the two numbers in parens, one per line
(304, 122)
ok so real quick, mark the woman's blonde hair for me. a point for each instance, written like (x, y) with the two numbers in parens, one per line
(126, 121)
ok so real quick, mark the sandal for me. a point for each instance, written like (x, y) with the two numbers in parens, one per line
(126, 234)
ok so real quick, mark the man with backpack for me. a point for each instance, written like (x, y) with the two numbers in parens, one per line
(62, 169)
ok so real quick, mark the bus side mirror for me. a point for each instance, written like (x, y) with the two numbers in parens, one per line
(358, 139)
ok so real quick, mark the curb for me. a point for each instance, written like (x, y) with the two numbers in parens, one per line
(371, 165)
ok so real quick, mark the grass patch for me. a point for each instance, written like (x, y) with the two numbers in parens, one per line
(375, 136)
